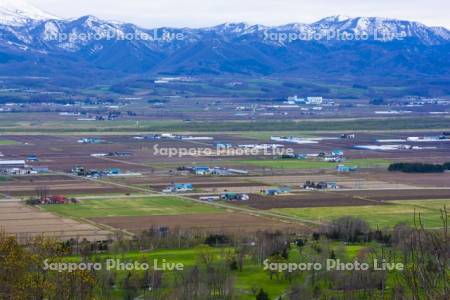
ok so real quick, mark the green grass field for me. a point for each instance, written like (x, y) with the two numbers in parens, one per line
(148, 206)
(8, 143)
(253, 275)
(313, 164)
(36, 123)
(377, 215)
(4, 178)
(266, 135)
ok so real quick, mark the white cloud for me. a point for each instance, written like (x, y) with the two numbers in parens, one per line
(197, 13)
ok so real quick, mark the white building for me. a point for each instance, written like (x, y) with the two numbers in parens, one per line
(12, 164)
(293, 98)
(14, 167)
(314, 100)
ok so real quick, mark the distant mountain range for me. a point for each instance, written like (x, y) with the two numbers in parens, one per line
(33, 42)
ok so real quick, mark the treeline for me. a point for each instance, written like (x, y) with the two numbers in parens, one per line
(419, 167)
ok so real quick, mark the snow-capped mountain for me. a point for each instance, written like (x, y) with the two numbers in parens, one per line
(343, 28)
(337, 44)
(20, 13)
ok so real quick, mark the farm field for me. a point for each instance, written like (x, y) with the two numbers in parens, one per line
(341, 198)
(265, 135)
(25, 222)
(63, 126)
(389, 215)
(312, 164)
(8, 142)
(126, 201)
(356, 181)
(149, 206)
(209, 222)
(25, 186)
(418, 180)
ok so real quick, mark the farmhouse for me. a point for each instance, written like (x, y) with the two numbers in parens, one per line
(314, 100)
(337, 153)
(209, 198)
(310, 185)
(234, 197)
(345, 169)
(12, 164)
(55, 199)
(178, 188)
(218, 171)
(79, 170)
(348, 136)
(113, 171)
(32, 157)
(14, 167)
(293, 100)
(90, 141)
(332, 159)
(237, 171)
(40, 170)
(82, 171)
(276, 191)
(222, 146)
(119, 154)
(201, 170)
(221, 172)
(295, 140)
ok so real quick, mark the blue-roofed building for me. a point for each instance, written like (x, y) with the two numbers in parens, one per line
(277, 191)
(114, 171)
(203, 170)
(337, 153)
(178, 188)
(223, 146)
(234, 196)
(32, 157)
(345, 169)
(40, 170)
(183, 187)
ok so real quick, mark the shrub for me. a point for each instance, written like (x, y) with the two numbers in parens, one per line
(446, 165)
(348, 229)
(417, 168)
(217, 239)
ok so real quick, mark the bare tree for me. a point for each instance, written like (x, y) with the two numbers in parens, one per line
(42, 192)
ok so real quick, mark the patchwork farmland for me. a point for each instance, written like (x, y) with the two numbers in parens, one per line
(132, 199)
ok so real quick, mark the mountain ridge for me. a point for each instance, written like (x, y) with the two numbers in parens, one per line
(336, 45)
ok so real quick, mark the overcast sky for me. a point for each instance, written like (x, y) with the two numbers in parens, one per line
(198, 13)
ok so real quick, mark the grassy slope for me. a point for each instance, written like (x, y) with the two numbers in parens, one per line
(381, 215)
(253, 275)
(130, 207)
